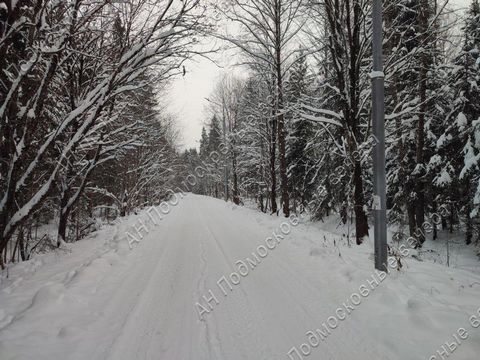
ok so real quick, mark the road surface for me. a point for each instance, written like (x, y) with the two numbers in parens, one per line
(106, 301)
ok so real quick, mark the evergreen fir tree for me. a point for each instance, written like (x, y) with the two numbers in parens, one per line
(204, 143)
(458, 148)
(299, 153)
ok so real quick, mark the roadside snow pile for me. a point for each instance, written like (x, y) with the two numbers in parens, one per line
(416, 312)
(46, 288)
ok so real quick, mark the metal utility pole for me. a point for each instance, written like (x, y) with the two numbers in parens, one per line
(378, 125)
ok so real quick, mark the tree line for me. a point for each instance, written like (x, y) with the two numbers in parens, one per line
(82, 131)
(298, 126)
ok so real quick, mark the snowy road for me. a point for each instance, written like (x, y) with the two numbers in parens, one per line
(105, 301)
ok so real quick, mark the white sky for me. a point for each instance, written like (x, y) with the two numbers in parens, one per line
(188, 93)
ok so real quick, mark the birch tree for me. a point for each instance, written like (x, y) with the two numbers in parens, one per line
(269, 31)
(39, 137)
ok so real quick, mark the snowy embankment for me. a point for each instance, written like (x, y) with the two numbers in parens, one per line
(99, 299)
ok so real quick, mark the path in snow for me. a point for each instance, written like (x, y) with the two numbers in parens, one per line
(105, 301)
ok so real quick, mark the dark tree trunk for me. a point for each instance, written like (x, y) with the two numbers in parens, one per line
(23, 247)
(280, 116)
(451, 218)
(273, 150)
(346, 18)
(62, 227)
(420, 213)
(423, 72)
(235, 195)
(64, 213)
(283, 167)
(434, 224)
(444, 223)
(361, 221)
(412, 224)
(260, 202)
(469, 225)
(19, 238)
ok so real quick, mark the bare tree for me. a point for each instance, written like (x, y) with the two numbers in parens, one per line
(226, 101)
(39, 135)
(269, 30)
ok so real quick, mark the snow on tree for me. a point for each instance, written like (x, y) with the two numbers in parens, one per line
(457, 147)
(70, 44)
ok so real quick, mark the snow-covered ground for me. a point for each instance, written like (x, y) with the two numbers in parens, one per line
(99, 299)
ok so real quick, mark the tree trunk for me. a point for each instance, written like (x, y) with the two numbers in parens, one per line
(283, 166)
(280, 115)
(420, 212)
(64, 212)
(444, 223)
(469, 225)
(435, 232)
(361, 221)
(411, 218)
(19, 238)
(23, 247)
(235, 195)
(273, 150)
(423, 71)
(260, 201)
(451, 218)
(62, 227)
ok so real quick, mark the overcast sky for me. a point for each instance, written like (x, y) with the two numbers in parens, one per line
(188, 93)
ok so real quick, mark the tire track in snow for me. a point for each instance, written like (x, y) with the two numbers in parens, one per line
(202, 289)
(238, 302)
(299, 291)
(139, 300)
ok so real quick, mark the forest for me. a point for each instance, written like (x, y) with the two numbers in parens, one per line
(204, 179)
(297, 129)
(86, 136)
